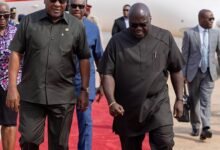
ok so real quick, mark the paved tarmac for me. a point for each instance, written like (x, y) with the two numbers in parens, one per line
(183, 139)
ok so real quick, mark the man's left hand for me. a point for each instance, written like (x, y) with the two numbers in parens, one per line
(178, 109)
(82, 102)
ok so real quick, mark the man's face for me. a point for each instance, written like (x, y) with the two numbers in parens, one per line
(4, 16)
(139, 25)
(206, 21)
(126, 11)
(77, 8)
(87, 11)
(13, 14)
(55, 8)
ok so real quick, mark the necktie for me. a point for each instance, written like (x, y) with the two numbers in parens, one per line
(204, 60)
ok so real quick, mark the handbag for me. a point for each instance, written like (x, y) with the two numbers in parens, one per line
(186, 107)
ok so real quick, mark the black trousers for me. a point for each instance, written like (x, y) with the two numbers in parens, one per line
(8, 117)
(32, 124)
(160, 139)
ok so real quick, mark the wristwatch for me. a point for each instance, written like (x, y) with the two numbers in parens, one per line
(84, 89)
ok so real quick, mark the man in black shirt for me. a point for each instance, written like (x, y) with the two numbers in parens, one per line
(121, 23)
(135, 66)
(50, 41)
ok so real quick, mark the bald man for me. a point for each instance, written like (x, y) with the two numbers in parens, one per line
(200, 46)
(135, 65)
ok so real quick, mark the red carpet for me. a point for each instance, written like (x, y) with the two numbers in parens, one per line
(103, 138)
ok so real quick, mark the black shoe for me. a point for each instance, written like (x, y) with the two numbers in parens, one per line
(195, 132)
(206, 133)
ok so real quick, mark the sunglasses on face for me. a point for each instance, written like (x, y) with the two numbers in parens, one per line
(60, 1)
(211, 19)
(5, 15)
(80, 6)
(135, 25)
(125, 9)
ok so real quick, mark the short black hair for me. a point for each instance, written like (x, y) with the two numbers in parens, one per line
(126, 5)
(12, 8)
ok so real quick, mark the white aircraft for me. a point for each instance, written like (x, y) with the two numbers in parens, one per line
(174, 15)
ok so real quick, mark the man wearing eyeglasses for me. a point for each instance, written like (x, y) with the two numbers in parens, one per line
(12, 19)
(135, 65)
(200, 45)
(77, 8)
(122, 22)
(8, 117)
(50, 40)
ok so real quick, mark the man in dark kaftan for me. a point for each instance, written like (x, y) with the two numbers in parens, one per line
(135, 66)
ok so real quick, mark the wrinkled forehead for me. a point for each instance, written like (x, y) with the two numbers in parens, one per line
(139, 18)
(208, 14)
(78, 1)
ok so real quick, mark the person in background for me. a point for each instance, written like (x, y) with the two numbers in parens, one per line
(121, 23)
(200, 45)
(49, 40)
(93, 19)
(20, 17)
(87, 10)
(88, 15)
(135, 66)
(8, 117)
(78, 8)
(12, 19)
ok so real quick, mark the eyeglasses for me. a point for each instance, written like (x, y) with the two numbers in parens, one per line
(135, 25)
(125, 9)
(211, 19)
(60, 1)
(5, 15)
(80, 6)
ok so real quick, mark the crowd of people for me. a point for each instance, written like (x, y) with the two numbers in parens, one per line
(48, 66)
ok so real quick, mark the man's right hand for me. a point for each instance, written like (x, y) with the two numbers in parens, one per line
(82, 102)
(13, 99)
(116, 110)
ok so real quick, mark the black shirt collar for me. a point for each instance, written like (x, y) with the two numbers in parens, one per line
(44, 15)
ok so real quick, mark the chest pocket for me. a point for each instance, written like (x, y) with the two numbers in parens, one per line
(66, 41)
(159, 57)
(155, 60)
(40, 38)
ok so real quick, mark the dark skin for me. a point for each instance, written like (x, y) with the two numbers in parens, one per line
(140, 15)
(55, 11)
(8, 133)
(83, 100)
(125, 12)
(206, 19)
(13, 13)
(79, 13)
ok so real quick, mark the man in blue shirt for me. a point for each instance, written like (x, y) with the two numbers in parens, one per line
(77, 9)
